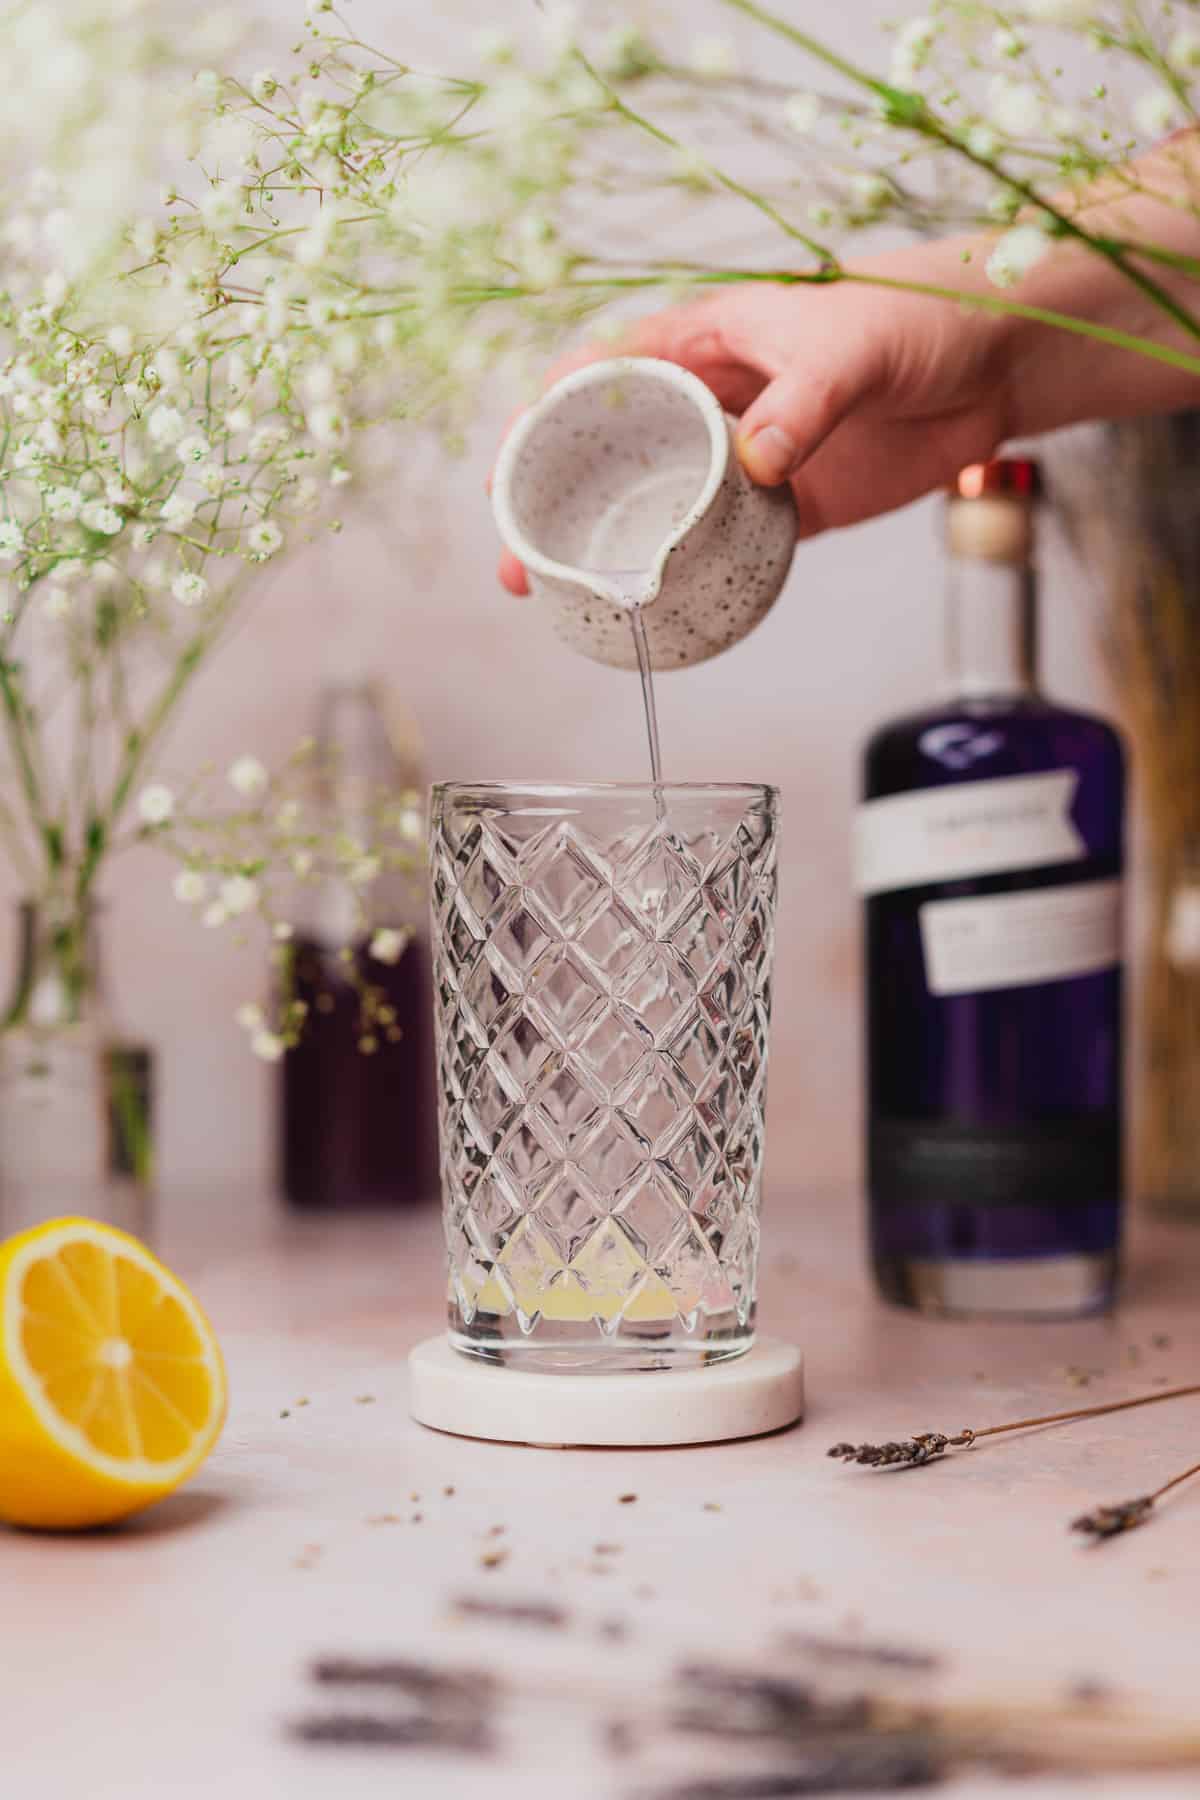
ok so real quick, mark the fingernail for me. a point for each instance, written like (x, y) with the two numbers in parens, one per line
(770, 455)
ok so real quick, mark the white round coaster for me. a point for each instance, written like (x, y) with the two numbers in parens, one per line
(751, 1394)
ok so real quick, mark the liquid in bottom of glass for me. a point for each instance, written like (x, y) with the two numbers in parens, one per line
(602, 960)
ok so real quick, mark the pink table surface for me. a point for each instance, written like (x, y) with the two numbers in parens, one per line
(167, 1657)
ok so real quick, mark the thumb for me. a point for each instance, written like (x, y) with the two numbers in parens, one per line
(793, 416)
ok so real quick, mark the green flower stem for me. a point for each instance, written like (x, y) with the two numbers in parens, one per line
(1155, 253)
(728, 182)
(140, 742)
(13, 713)
(913, 110)
(827, 277)
(1038, 315)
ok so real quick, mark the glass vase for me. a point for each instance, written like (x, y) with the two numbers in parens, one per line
(602, 964)
(75, 1095)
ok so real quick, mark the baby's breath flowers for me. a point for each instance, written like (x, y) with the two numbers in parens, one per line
(217, 290)
(258, 847)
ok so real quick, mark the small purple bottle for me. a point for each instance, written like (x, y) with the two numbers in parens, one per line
(359, 1130)
(990, 860)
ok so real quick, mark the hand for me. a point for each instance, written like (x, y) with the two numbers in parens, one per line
(861, 397)
(864, 397)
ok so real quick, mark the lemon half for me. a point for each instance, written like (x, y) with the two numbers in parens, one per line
(112, 1387)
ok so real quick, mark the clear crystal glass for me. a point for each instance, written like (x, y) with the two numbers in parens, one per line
(602, 959)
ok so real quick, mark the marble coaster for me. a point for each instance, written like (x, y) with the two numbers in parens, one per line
(752, 1394)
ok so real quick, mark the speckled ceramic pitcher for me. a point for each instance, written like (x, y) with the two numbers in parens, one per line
(622, 485)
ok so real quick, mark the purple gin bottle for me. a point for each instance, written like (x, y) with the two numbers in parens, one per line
(990, 860)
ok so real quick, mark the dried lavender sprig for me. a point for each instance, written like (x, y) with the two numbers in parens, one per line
(883, 1765)
(902, 1657)
(926, 1446)
(406, 1675)
(374, 1729)
(543, 1615)
(909, 1452)
(1111, 1521)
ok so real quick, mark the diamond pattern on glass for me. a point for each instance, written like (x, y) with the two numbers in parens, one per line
(657, 989)
(569, 1105)
(568, 1211)
(658, 884)
(517, 942)
(655, 1105)
(482, 885)
(567, 879)
(602, 1000)
(522, 1051)
(612, 941)
(613, 1048)
(650, 1215)
(564, 995)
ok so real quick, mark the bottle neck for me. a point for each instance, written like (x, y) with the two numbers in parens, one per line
(991, 628)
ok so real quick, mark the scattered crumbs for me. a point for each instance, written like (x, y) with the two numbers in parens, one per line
(626, 1499)
(417, 1519)
(613, 1631)
(384, 1519)
(1133, 1355)
(495, 1531)
(598, 1568)
(448, 1491)
(308, 1558)
(979, 1375)
(1078, 1377)
(414, 1497)
(887, 1656)
(606, 1549)
(711, 1506)
(1161, 1381)
(619, 1737)
(544, 1615)
(1161, 1340)
(1089, 1691)
(493, 1559)
(285, 1414)
(304, 1401)
(364, 1399)
(1156, 1574)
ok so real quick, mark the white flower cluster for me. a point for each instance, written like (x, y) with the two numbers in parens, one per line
(188, 377)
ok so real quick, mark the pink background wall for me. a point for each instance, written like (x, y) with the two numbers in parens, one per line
(855, 637)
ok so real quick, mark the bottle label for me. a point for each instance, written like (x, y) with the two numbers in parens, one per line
(1015, 940)
(1043, 1162)
(972, 828)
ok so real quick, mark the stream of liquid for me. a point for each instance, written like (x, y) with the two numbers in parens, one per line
(633, 585)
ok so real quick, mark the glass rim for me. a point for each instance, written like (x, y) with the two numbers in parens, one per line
(763, 791)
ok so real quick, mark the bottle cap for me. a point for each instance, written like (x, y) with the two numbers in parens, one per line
(999, 525)
(1010, 477)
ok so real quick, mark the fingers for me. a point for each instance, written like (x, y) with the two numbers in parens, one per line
(795, 413)
(512, 574)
